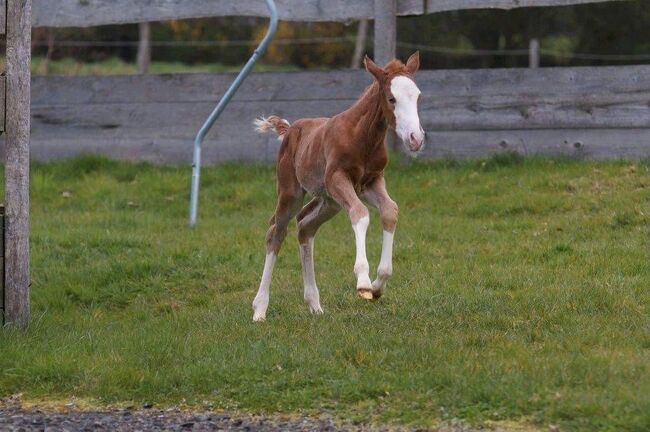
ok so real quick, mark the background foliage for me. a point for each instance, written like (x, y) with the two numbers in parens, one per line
(609, 28)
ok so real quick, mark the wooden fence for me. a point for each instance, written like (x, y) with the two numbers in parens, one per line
(601, 112)
(581, 112)
(87, 13)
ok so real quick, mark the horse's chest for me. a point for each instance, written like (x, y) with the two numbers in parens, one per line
(374, 167)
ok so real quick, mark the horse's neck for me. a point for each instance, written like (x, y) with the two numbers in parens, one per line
(367, 115)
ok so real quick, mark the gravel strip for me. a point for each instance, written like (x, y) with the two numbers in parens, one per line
(14, 418)
(151, 420)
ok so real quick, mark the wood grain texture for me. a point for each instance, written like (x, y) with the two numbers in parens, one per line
(2, 263)
(3, 84)
(573, 143)
(156, 117)
(17, 162)
(385, 40)
(433, 6)
(3, 16)
(88, 13)
(143, 58)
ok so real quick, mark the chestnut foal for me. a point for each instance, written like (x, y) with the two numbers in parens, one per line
(341, 161)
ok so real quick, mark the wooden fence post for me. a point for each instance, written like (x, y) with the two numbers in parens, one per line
(19, 35)
(359, 44)
(385, 49)
(385, 30)
(144, 48)
(533, 54)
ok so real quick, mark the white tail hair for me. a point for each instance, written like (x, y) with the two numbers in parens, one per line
(275, 123)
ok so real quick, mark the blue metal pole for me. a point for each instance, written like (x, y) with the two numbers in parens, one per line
(198, 141)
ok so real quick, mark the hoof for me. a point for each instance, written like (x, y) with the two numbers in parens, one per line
(317, 310)
(365, 294)
(377, 294)
(259, 315)
(260, 305)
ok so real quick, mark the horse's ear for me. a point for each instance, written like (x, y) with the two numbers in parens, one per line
(375, 70)
(413, 63)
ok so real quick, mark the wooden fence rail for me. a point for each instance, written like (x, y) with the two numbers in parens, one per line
(579, 112)
(87, 13)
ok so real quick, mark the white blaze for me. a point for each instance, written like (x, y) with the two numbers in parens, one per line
(407, 121)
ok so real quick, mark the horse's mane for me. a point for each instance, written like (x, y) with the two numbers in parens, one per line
(396, 67)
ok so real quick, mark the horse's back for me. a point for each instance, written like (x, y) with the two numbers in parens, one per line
(309, 126)
(304, 134)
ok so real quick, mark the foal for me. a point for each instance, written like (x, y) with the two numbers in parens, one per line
(341, 161)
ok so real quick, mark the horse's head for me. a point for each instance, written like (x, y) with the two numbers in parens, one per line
(399, 98)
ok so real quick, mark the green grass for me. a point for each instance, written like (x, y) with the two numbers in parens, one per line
(521, 291)
(116, 66)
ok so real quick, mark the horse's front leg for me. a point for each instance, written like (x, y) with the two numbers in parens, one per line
(342, 191)
(377, 196)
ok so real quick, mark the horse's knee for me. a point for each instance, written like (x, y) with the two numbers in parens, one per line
(358, 212)
(389, 214)
(274, 238)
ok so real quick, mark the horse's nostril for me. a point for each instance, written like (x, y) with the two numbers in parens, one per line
(412, 136)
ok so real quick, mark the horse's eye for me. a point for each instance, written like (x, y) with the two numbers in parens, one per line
(392, 100)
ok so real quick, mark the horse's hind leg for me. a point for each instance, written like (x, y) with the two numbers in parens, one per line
(290, 198)
(311, 217)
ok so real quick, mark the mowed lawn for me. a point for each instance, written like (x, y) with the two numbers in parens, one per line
(521, 292)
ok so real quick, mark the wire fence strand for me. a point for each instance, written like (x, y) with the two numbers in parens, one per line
(450, 51)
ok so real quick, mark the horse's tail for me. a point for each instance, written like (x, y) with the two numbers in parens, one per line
(280, 126)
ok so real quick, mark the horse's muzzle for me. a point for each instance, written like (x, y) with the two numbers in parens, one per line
(416, 141)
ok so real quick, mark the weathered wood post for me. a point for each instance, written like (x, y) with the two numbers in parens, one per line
(385, 47)
(359, 44)
(385, 30)
(533, 54)
(144, 48)
(19, 37)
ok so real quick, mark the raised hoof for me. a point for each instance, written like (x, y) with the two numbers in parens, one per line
(365, 294)
(259, 315)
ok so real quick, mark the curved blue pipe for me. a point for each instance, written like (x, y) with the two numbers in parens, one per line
(198, 141)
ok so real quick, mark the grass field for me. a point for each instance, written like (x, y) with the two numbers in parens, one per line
(521, 293)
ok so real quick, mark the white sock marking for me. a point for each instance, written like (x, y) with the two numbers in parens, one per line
(385, 269)
(312, 297)
(261, 302)
(361, 267)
